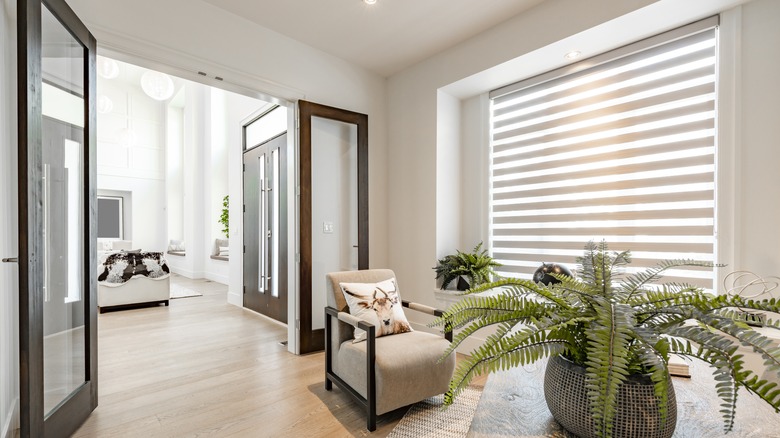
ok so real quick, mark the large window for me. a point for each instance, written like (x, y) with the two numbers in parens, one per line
(618, 147)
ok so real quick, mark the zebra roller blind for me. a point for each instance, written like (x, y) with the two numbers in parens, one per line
(620, 147)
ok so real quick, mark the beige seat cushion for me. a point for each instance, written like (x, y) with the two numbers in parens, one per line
(407, 368)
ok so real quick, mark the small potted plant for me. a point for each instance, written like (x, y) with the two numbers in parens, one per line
(606, 333)
(469, 269)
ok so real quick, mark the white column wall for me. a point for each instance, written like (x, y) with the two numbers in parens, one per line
(757, 236)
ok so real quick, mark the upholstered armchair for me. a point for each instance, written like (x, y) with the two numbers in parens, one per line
(384, 373)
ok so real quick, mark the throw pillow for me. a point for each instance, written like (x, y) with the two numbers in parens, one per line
(379, 305)
(176, 245)
(224, 251)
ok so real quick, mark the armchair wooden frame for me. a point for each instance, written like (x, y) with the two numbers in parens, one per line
(369, 402)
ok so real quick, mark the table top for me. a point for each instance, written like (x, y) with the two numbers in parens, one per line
(512, 405)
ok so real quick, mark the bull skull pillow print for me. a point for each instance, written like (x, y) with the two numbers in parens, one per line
(379, 305)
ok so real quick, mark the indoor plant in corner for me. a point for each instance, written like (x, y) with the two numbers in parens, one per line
(475, 266)
(224, 217)
(613, 330)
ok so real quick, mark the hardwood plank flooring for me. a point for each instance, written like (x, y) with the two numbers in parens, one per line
(202, 367)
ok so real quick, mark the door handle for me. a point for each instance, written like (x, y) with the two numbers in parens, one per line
(11, 260)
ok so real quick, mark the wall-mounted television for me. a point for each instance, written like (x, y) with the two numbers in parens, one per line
(109, 216)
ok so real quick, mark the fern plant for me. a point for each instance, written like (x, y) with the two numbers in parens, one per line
(476, 265)
(224, 217)
(614, 324)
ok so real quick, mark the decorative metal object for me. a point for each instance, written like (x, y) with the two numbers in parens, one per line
(748, 284)
(542, 274)
(637, 412)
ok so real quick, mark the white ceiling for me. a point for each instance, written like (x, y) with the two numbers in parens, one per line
(385, 37)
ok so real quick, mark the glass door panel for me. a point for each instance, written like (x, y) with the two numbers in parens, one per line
(64, 351)
(57, 220)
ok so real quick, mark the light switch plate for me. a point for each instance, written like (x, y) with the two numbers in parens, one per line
(327, 227)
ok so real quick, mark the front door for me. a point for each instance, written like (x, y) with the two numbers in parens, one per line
(265, 228)
(57, 219)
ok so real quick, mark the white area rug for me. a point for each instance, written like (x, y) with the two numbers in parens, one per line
(178, 291)
(426, 419)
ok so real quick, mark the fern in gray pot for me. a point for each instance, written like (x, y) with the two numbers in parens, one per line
(614, 325)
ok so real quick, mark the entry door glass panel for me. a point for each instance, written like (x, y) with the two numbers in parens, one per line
(334, 206)
(64, 352)
(271, 124)
(275, 193)
(263, 226)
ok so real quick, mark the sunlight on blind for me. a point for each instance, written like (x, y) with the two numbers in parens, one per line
(623, 151)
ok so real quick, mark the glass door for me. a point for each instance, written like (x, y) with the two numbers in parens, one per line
(265, 228)
(57, 224)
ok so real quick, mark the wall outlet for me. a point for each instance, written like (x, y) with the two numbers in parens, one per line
(327, 227)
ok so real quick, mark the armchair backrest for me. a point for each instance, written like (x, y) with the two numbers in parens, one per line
(335, 297)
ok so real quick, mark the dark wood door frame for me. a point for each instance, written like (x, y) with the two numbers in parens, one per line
(314, 340)
(69, 416)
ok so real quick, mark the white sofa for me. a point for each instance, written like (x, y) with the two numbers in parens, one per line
(137, 290)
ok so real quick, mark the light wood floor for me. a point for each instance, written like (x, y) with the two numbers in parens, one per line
(202, 367)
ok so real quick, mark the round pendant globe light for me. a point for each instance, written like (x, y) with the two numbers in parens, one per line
(104, 104)
(156, 85)
(107, 68)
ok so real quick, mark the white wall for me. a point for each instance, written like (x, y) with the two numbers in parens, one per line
(194, 163)
(174, 178)
(420, 106)
(449, 175)
(757, 234)
(138, 168)
(9, 274)
(228, 111)
(474, 171)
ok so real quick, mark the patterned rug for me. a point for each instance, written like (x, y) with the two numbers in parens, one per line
(427, 419)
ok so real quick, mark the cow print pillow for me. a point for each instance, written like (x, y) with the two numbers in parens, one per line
(379, 305)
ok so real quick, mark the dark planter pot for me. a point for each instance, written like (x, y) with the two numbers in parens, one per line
(637, 413)
(463, 284)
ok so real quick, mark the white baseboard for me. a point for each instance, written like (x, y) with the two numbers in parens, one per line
(223, 279)
(235, 299)
(12, 421)
(194, 275)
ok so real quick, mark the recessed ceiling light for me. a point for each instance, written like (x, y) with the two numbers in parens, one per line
(573, 55)
(369, 2)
